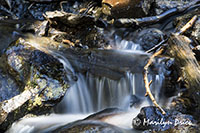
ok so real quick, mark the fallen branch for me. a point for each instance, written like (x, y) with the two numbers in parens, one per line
(147, 83)
(157, 46)
(187, 26)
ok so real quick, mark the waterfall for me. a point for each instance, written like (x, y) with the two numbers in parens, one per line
(92, 93)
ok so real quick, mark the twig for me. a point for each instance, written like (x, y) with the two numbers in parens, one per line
(157, 46)
(147, 83)
(187, 26)
(61, 5)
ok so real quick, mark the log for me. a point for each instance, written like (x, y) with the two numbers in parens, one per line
(187, 66)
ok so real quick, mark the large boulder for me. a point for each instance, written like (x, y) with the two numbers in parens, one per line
(32, 82)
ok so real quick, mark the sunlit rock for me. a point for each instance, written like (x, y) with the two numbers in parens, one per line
(126, 8)
(40, 81)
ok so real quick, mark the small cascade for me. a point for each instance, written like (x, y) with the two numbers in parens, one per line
(91, 94)
(125, 44)
(119, 42)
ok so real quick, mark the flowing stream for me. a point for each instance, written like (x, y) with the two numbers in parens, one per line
(90, 94)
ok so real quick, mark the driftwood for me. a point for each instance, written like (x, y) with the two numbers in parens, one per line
(186, 63)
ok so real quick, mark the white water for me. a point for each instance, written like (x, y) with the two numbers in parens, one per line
(43, 123)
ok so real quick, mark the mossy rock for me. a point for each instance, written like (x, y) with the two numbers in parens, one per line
(40, 82)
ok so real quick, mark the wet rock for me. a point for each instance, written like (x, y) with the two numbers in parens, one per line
(89, 126)
(100, 62)
(135, 101)
(184, 105)
(185, 129)
(69, 19)
(101, 115)
(7, 85)
(83, 38)
(41, 82)
(79, 29)
(126, 8)
(8, 34)
(36, 8)
(72, 20)
(196, 30)
(32, 10)
(164, 5)
(151, 118)
(170, 86)
(148, 38)
(97, 122)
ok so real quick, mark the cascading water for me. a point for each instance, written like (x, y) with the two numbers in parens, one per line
(90, 94)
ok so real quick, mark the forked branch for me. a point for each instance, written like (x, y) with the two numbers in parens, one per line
(147, 83)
